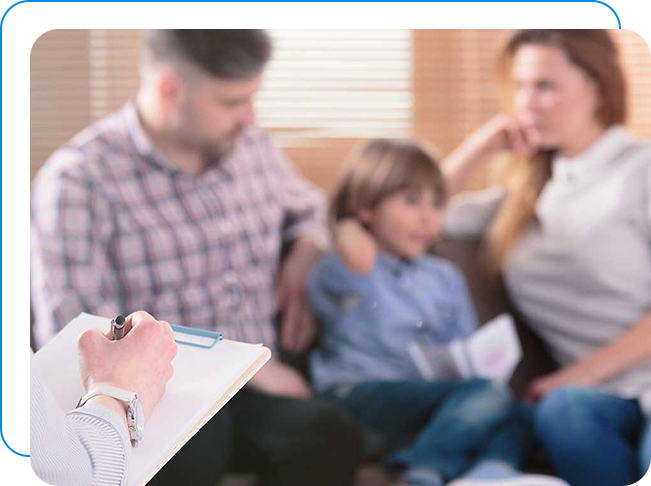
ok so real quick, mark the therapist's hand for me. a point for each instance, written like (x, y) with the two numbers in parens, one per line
(140, 362)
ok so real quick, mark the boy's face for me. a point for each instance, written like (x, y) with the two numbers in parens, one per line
(407, 223)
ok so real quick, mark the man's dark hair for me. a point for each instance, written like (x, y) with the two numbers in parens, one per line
(224, 53)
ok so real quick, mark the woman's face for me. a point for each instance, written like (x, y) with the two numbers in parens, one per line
(555, 100)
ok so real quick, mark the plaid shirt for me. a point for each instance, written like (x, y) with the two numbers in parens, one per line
(115, 227)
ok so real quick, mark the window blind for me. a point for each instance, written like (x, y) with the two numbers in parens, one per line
(323, 91)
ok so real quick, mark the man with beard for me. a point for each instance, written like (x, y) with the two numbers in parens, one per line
(179, 205)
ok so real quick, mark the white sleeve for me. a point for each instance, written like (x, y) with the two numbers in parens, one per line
(87, 447)
(470, 214)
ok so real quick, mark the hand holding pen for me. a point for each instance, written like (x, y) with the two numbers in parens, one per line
(146, 345)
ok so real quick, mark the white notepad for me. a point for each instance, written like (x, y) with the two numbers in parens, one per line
(492, 352)
(204, 380)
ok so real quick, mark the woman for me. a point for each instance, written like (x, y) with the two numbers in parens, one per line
(571, 233)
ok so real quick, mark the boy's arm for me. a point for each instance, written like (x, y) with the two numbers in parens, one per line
(355, 246)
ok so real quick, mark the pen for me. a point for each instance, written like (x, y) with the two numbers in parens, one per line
(117, 327)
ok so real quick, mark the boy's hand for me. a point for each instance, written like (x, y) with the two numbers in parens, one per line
(356, 246)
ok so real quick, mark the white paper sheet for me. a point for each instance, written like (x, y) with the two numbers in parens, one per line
(492, 352)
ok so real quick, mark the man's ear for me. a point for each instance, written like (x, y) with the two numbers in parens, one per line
(170, 89)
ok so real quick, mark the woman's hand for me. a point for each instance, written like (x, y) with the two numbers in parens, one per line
(572, 375)
(500, 133)
(625, 352)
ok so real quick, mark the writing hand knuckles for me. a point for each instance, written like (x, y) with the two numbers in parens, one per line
(83, 342)
(150, 329)
(173, 350)
(87, 341)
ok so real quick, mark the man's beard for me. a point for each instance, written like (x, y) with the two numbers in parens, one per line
(212, 150)
(219, 149)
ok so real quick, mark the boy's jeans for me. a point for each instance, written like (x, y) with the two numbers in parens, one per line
(444, 425)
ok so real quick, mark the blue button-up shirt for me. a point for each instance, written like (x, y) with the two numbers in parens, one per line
(370, 320)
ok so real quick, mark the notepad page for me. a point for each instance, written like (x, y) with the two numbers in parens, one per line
(494, 350)
(204, 379)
